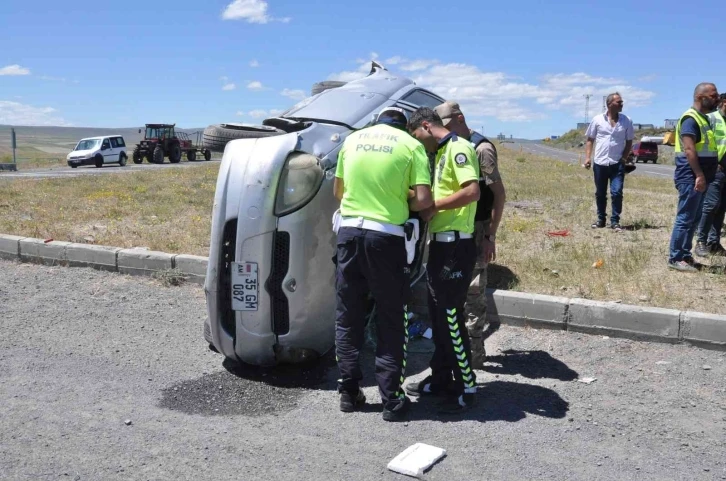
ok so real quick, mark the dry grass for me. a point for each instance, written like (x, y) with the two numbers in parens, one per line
(547, 196)
(170, 211)
(166, 210)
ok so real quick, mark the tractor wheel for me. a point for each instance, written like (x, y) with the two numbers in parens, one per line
(325, 85)
(137, 157)
(98, 161)
(122, 159)
(175, 154)
(215, 137)
(191, 155)
(207, 155)
(158, 155)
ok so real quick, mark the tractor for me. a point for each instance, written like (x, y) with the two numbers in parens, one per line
(161, 140)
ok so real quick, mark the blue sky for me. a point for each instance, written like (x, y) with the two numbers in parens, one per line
(520, 68)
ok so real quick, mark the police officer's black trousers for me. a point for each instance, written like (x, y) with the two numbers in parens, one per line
(447, 296)
(370, 261)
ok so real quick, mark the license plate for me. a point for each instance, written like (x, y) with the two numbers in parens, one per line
(245, 286)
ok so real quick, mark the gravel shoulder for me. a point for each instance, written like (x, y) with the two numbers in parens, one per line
(81, 352)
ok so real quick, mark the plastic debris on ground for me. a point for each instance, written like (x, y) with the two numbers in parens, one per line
(587, 380)
(416, 329)
(416, 459)
(559, 233)
(598, 263)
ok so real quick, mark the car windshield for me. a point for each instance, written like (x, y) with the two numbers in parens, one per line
(88, 144)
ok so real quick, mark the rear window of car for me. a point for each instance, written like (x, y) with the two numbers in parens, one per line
(649, 146)
(117, 142)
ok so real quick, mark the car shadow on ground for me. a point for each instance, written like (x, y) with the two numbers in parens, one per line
(529, 364)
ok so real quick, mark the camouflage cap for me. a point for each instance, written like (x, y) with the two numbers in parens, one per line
(447, 111)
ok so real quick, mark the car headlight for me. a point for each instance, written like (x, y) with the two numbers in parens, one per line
(301, 178)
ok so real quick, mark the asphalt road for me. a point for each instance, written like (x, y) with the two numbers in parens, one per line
(84, 352)
(655, 170)
(61, 172)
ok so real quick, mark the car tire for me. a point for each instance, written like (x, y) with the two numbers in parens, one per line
(98, 160)
(207, 155)
(655, 161)
(216, 137)
(175, 154)
(191, 155)
(326, 85)
(74, 166)
(158, 155)
(122, 159)
(136, 156)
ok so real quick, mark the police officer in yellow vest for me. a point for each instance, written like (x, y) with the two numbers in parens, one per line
(452, 255)
(382, 172)
(714, 203)
(696, 165)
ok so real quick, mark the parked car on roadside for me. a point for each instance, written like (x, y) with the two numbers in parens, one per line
(270, 283)
(110, 149)
(644, 152)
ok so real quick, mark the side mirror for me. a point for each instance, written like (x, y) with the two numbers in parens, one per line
(139, 130)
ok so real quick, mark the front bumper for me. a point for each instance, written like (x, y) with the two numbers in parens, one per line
(295, 317)
(78, 162)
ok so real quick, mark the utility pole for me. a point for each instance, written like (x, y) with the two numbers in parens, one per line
(13, 144)
(587, 107)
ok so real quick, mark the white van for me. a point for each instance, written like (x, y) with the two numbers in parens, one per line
(110, 149)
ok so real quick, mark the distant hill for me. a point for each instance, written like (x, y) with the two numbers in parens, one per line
(60, 140)
(574, 137)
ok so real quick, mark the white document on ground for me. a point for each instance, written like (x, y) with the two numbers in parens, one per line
(416, 459)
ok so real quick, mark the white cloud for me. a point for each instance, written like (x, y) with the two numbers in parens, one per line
(254, 64)
(255, 85)
(295, 94)
(14, 70)
(15, 113)
(260, 113)
(506, 97)
(251, 11)
(228, 86)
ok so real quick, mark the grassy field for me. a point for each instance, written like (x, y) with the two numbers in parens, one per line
(170, 211)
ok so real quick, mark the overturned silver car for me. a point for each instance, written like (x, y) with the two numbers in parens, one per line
(270, 284)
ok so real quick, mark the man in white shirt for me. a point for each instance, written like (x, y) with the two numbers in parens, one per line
(612, 134)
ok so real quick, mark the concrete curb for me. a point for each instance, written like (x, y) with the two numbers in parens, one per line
(607, 318)
(137, 262)
(507, 307)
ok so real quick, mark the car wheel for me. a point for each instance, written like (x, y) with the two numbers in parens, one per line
(325, 85)
(175, 154)
(655, 161)
(74, 166)
(99, 161)
(137, 157)
(191, 155)
(216, 137)
(122, 160)
(158, 155)
(207, 155)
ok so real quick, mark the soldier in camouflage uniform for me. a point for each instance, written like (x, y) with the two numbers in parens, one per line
(489, 215)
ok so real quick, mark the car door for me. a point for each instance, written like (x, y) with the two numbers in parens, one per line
(118, 145)
(107, 151)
